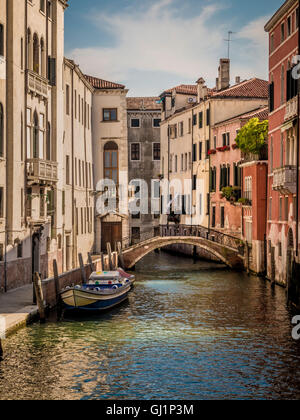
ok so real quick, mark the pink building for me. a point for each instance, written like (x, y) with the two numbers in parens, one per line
(283, 187)
(237, 202)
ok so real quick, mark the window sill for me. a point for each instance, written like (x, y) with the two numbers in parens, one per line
(111, 121)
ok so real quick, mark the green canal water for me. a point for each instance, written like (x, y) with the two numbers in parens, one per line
(188, 331)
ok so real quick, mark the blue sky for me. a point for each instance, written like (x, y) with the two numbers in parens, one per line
(153, 45)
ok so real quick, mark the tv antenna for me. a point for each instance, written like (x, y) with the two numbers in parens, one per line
(229, 40)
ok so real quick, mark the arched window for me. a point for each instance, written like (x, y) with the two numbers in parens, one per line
(43, 60)
(36, 132)
(48, 142)
(29, 50)
(1, 130)
(111, 162)
(36, 54)
(42, 6)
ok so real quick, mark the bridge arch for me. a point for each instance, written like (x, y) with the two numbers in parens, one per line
(137, 252)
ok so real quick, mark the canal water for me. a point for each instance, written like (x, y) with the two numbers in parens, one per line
(188, 331)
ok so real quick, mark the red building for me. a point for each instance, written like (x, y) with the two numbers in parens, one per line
(283, 186)
(238, 188)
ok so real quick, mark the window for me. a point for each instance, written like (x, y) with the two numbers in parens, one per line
(136, 234)
(289, 26)
(270, 209)
(248, 188)
(156, 151)
(280, 209)
(194, 152)
(222, 217)
(181, 129)
(2, 40)
(207, 147)
(1, 130)
(200, 150)
(68, 99)
(20, 250)
(194, 119)
(280, 249)
(271, 97)
(36, 54)
(156, 122)
(42, 6)
(213, 218)
(248, 231)
(194, 182)
(1, 252)
(200, 119)
(271, 156)
(176, 164)
(226, 139)
(282, 32)
(1, 202)
(68, 170)
(135, 123)
(135, 151)
(282, 86)
(208, 117)
(111, 162)
(286, 209)
(49, 8)
(110, 114)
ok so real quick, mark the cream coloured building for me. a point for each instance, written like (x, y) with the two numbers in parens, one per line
(110, 152)
(190, 113)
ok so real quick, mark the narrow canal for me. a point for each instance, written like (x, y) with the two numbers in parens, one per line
(189, 331)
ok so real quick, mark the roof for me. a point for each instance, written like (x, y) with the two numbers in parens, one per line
(262, 113)
(279, 14)
(103, 84)
(143, 103)
(253, 88)
(184, 89)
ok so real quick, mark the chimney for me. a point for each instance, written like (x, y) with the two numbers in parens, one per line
(202, 89)
(224, 74)
(237, 80)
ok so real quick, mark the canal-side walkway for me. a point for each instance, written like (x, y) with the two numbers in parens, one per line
(16, 310)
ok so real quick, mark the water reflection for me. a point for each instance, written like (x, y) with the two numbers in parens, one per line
(188, 332)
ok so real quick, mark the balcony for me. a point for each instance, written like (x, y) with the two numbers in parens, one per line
(41, 171)
(285, 180)
(291, 109)
(37, 85)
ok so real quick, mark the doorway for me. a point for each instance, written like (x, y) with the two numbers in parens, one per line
(111, 233)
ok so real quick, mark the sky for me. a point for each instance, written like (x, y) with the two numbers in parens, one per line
(153, 45)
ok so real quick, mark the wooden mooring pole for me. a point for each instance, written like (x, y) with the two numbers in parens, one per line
(108, 246)
(92, 265)
(120, 255)
(39, 296)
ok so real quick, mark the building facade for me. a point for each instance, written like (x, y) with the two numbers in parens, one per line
(192, 147)
(78, 181)
(283, 186)
(110, 153)
(143, 119)
(32, 56)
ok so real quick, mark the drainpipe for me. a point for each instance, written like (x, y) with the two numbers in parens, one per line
(168, 169)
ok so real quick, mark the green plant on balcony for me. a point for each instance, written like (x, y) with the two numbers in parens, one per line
(245, 201)
(252, 138)
(231, 194)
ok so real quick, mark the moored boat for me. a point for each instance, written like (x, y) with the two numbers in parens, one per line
(103, 291)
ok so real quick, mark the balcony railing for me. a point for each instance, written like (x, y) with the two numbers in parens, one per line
(285, 180)
(291, 109)
(37, 84)
(41, 171)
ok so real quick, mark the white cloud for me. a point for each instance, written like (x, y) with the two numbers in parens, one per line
(160, 39)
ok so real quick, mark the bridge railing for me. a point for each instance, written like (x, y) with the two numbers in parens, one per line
(210, 235)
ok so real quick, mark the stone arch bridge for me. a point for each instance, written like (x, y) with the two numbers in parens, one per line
(228, 249)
